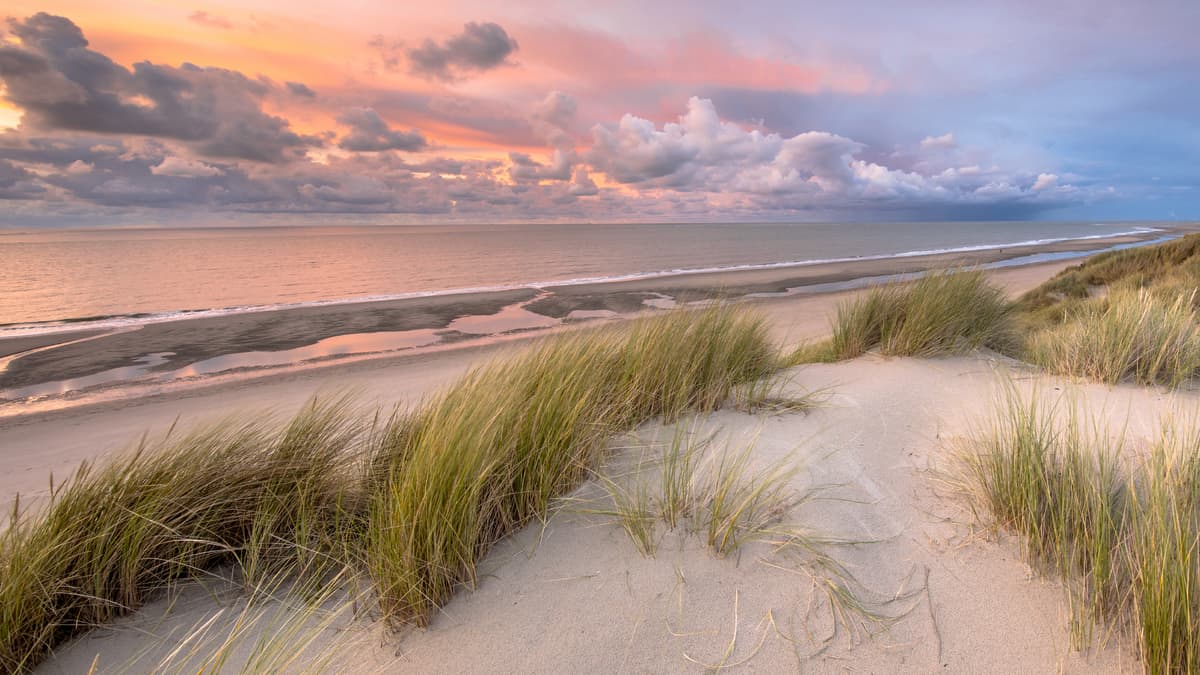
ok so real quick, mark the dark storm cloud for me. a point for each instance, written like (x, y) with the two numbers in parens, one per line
(370, 133)
(61, 84)
(479, 47)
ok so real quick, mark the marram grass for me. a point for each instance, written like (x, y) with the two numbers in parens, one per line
(1136, 335)
(940, 313)
(412, 502)
(1124, 536)
(1124, 316)
(113, 538)
(488, 455)
(1173, 264)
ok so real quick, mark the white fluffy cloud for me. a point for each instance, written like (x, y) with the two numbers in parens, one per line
(702, 153)
(1045, 181)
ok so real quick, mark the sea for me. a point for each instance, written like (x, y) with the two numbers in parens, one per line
(55, 280)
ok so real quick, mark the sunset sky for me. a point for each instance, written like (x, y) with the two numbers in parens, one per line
(264, 111)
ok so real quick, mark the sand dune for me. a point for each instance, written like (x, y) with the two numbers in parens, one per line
(576, 596)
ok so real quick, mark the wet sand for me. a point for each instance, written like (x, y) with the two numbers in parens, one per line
(18, 345)
(192, 340)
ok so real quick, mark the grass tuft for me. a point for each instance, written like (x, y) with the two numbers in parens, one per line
(490, 453)
(1129, 335)
(1126, 539)
(771, 396)
(941, 313)
(741, 503)
(411, 502)
(113, 538)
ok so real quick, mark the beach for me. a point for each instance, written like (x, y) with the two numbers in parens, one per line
(66, 367)
(939, 592)
(37, 444)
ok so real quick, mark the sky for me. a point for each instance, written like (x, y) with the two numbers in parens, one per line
(264, 111)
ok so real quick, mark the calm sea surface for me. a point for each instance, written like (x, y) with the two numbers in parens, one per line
(61, 275)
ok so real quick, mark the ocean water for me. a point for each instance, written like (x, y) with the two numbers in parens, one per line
(132, 276)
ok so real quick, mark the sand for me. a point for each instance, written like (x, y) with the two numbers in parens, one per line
(576, 596)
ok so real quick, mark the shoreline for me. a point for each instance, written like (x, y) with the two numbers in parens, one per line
(54, 440)
(88, 367)
(50, 327)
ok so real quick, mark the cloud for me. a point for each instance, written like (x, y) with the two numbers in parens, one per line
(557, 110)
(211, 20)
(582, 184)
(479, 47)
(62, 85)
(18, 183)
(636, 151)
(299, 89)
(524, 168)
(370, 133)
(184, 168)
(700, 166)
(944, 141)
(700, 153)
(356, 190)
(1045, 181)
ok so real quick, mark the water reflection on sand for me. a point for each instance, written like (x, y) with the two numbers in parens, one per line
(149, 368)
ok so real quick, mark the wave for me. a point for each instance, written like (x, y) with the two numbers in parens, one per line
(116, 321)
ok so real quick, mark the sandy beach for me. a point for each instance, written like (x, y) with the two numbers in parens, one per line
(79, 367)
(55, 441)
(576, 595)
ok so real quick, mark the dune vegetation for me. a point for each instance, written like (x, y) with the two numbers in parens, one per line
(1126, 315)
(1128, 335)
(940, 313)
(408, 504)
(1123, 535)
(411, 502)
(1130, 315)
(1166, 267)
